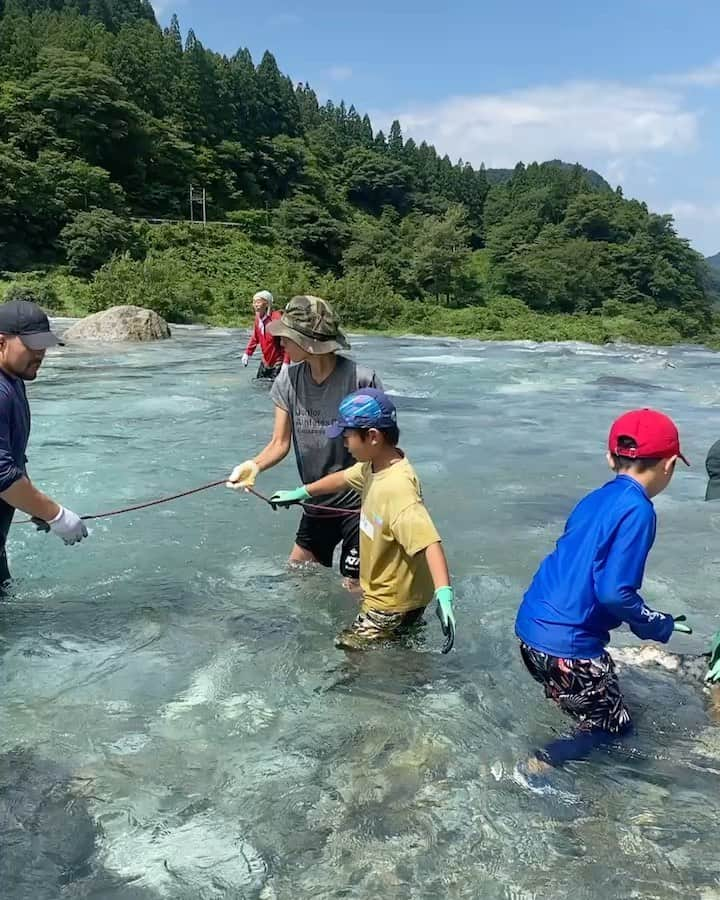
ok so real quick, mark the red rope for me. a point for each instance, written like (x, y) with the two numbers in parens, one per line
(127, 509)
(330, 511)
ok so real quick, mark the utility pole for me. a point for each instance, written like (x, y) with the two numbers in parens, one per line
(196, 197)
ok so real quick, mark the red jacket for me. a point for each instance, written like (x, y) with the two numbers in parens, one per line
(272, 352)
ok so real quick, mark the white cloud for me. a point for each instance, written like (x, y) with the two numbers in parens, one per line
(339, 73)
(703, 76)
(700, 222)
(162, 7)
(585, 121)
(704, 213)
(640, 171)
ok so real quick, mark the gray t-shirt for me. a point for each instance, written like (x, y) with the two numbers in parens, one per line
(312, 408)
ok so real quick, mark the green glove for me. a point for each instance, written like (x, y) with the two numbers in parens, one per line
(444, 610)
(680, 625)
(286, 499)
(713, 672)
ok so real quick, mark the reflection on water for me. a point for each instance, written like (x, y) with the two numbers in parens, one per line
(178, 690)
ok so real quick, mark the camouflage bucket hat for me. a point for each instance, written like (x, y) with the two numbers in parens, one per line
(311, 323)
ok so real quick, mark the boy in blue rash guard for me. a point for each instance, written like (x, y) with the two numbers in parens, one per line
(589, 586)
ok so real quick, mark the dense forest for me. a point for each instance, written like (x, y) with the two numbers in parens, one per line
(106, 121)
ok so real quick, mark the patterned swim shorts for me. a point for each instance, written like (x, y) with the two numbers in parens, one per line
(372, 625)
(586, 689)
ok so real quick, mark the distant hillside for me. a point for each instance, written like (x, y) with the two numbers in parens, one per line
(106, 118)
(713, 261)
(712, 278)
(500, 176)
(112, 13)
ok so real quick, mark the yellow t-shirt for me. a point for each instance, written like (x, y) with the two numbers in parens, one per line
(395, 527)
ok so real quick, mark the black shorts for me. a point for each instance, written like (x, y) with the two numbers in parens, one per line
(321, 535)
(6, 516)
(268, 372)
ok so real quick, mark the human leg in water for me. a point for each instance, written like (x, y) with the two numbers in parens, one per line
(6, 516)
(587, 690)
(268, 373)
(372, 627)
(579, 745)
(318, 536)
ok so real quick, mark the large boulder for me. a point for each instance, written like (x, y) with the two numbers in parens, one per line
(120, 323)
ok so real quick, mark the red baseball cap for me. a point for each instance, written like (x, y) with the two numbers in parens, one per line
(655, 435)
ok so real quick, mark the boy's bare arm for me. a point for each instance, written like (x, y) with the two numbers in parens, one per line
(330, 484)
(437, 563)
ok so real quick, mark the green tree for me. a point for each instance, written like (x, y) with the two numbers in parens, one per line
(77, 185)
(29, 210)
(374, 180)
(441, 255)
(279, 112)
(142, 61)
(279, 166)
(306, 226)
(93, 237)
(87, 108)
(159, 284)
(395, 138)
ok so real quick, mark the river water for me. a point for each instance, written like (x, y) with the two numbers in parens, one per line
(189, 682)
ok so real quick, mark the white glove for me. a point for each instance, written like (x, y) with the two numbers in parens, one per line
(244, 475)
(245, 359)
(68, 526)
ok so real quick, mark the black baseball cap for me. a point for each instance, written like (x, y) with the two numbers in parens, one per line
(27, 320)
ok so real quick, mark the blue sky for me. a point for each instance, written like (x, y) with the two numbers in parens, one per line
(629, 88)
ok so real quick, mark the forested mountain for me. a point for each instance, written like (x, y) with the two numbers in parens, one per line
(594, 179)
(713, 261)
(104, 116)
(112, 13)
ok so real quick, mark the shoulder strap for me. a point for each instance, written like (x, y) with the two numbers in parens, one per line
(294, 374)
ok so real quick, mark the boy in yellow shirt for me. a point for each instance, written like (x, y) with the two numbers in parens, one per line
(402, 561)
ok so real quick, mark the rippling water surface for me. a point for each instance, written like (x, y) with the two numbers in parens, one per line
(186, 684)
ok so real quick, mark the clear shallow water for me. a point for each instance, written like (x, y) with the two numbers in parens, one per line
(228, 750)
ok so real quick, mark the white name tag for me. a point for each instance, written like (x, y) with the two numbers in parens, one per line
(366, 526)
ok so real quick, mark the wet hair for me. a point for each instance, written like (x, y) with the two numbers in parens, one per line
(391, 435)
(638, 464)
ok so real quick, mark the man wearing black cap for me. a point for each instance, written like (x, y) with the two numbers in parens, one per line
(712, 465)
(24, 337)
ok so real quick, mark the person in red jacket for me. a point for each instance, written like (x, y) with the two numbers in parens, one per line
(273, 355)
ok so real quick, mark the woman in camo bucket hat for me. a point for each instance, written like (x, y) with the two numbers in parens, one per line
(311, 323)
(307, 395)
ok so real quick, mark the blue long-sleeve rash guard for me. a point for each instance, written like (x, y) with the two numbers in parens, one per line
(589, 584)
(14, 429)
